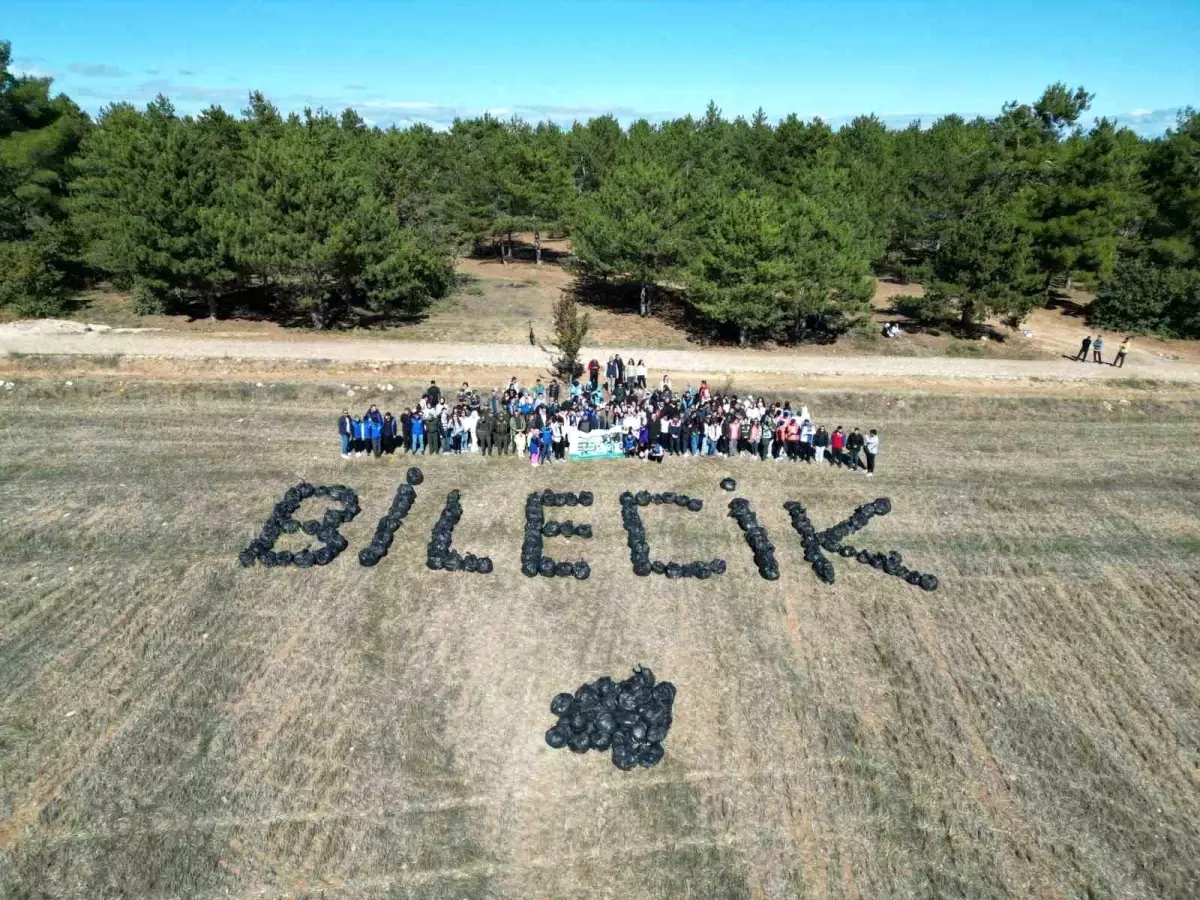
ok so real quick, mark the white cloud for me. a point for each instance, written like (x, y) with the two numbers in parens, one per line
(1140, 113)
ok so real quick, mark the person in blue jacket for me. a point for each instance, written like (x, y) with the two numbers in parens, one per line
(373, 430)
(356, 431)
(417, 424)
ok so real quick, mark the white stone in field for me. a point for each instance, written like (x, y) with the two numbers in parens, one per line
(68, 383)
(259, 384)
(350, 393)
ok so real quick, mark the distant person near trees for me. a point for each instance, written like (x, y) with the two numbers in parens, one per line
(1098, 349)
(1082, 355)
(1119, 362)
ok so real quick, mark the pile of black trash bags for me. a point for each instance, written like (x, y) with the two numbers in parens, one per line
(832, 539)
(441, 553)
(631, 718)
(756, 536)
(282, 521)
(534, 561)
(406, 495)
(639, 547)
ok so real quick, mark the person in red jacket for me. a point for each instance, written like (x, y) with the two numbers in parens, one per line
(594, 373)
(837, 447)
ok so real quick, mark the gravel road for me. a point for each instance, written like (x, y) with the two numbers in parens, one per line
(24, 338)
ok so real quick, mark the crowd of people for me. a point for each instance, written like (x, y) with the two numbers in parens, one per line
(1096, 345)
(536, 422)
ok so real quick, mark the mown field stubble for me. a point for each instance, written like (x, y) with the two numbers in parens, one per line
(172, 725)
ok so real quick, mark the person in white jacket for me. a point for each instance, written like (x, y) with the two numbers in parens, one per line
(871, 448)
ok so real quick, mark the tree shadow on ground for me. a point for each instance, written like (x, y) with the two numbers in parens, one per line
(1060, 301)
(667, 305)
(277, 303)
(520, 250)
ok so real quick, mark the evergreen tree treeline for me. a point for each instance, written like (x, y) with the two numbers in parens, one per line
(760, 230)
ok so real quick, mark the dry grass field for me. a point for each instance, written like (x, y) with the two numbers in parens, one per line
(175, 726)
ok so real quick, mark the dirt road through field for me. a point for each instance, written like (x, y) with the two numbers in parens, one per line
(1141, 363)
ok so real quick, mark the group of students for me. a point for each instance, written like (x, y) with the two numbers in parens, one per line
(1096, 344)
(537, 421)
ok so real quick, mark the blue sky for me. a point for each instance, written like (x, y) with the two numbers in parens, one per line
(401, 62)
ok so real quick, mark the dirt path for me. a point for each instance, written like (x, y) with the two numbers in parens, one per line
(696, 363)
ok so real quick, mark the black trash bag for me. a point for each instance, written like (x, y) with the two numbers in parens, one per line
(284, 557)
(728, 484)
(323, 556)
(882, 506)
(695, 504)
(626, 498)
(650, 755)
(719, 566)
(913, 577)
(529, 569)
(470, 563)
(928, 582)
(550, 529)
(484, 566)
(290, 526)
(846, 551)
(414, 476)
(643, 498)
(582, 570)
(702, 570)
(435, 561)
(583, 530)
(579, 742)
(641, 569)
(769, 571)
(546, 567)
(368, 557)
(638, 731)
(624, 757)
(674, 570)
(557, 737)
(653, 712)
(664, 693)
(563, 569)
(303, 559)
(600, 740)
(863, 556)
(561, 704)
(586, 498)
(247, 557)
(681, 500)
(658, 567)
(656, 734)
(452, 562)
(566, 528)
(657, 500)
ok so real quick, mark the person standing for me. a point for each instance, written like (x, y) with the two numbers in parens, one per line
(345, 432)
(373, 430)
(404, 435)
(483, 432)
(1082, 355)
(1098, 349)
(594, 372)
(641, 374)
(807, 433)
(820, 444)
(871, 446)
(854, 445)
(500, 434)
(837, 447)
(417, 424)
(519, 428)
(1119, 361)
(389, 434)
